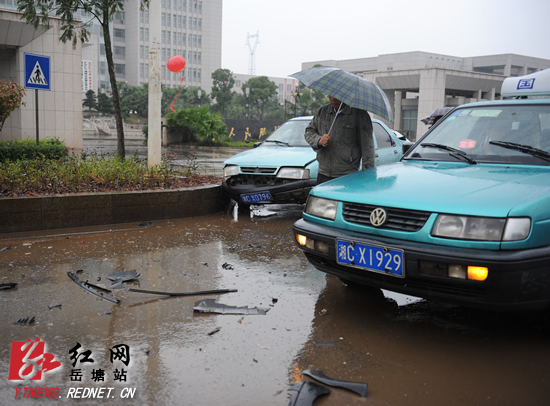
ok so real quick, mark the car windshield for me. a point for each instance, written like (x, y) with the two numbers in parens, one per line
(290, 134)
(508, 134)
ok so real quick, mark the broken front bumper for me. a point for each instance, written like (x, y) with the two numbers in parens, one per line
(282, 190)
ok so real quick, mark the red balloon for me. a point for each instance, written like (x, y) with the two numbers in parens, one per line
(176, 64)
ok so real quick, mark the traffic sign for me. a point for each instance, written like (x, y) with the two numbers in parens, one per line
(37, 72)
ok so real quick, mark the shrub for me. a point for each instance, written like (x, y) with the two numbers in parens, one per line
(51, 148)
(197, 124)
(11, 96)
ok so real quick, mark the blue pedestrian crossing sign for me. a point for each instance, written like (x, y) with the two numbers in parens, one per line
(37, 72)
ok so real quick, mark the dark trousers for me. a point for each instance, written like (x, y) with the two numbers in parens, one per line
(323, 178)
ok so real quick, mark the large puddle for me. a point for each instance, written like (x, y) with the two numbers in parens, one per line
(409, 351)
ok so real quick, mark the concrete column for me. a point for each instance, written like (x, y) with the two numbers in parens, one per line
(492, 93)
(431, 95)
(479, 95)
(398, 95)
(154, 125)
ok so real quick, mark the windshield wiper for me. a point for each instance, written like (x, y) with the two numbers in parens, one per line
(278, 142)
(456, 153)
(537, 153)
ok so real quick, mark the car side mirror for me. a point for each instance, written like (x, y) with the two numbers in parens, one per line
(257, 144)
(406, 146)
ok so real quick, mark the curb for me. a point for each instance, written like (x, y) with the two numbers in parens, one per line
(20, 214)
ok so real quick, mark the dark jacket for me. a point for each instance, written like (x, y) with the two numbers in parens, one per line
(351, 140)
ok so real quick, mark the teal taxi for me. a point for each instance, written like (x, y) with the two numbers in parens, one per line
(283, 168)
(463, 218)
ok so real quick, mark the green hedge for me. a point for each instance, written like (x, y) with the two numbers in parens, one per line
(51, 148)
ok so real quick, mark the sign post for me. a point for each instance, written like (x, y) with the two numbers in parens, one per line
(37, 77)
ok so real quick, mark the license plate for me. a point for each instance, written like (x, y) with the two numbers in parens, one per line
(371, 258)
(257, 197)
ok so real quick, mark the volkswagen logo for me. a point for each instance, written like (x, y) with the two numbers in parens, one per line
(378, 217)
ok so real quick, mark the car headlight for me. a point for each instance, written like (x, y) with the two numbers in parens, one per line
(481, 228)
(293, 173)
(230, 170)
(319, 207)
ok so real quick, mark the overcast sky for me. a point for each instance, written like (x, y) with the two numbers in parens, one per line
(296, 31)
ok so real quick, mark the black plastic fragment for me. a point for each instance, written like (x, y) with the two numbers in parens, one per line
(54, 305)
(10, 285)
(5, 248)
(306, 393)
(355, 387)
(91, 290)
(204, 292)
(25, 321)
(217, 329)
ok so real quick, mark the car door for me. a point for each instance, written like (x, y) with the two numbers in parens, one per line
(387, 150)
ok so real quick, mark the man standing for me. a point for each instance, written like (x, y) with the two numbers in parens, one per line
(341, 136)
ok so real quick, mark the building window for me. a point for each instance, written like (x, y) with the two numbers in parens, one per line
(163, 19)
(141, 37)
(184, 22)
(168, 4)
(163, 37)
(174, 39)
(200, 41)
(199, 58)
(163, 54)
(168, 19)
(147, 34)
(409, 122)
(119, 52)
(141, 18)
(200, 24)
(194, 23)
(120, 70)
(168, 36)
(146, 16)
(146, 70)
(141, 70)
(516, 70)
(146, 51)
(200, 7)
(119, 18)
(184, 39)
(175, 20)
(141, 53)
(102, 68)
(194, 40)
(495, 70)
(101, 49)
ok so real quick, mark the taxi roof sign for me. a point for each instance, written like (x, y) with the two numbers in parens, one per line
(534, 84)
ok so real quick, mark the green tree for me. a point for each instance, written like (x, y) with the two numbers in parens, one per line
(37, 12)
(104, 103)
(223, 82)
(90, 100)
(134, 98)
(197, 124)
(11, 96)
(261, 91)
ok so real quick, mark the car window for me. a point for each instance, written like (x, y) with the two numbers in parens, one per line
(383, 139)
(508, 133)
(291, 133)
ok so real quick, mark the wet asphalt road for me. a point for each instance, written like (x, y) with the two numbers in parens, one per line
(409, 351)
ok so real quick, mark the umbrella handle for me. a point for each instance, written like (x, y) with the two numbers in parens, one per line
(338, 112)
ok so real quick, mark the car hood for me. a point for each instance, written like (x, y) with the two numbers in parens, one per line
(480, 190)
(273, 156)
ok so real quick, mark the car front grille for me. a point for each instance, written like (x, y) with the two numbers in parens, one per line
(265, 171)
(396, 219)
